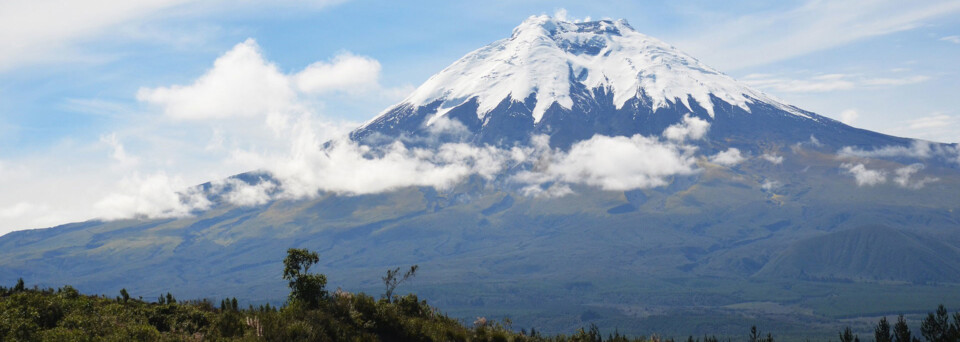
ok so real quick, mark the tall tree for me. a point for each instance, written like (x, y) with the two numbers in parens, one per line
(901, 331)
(936, 327)
(882, 332)
(305, 288)
(847, 336)
(955, 327)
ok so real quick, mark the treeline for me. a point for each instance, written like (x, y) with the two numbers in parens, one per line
(936, 327)
(311, 313)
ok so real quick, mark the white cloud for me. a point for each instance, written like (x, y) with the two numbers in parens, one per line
(241, 193)
(43, 31)
(241, 83)
(346, 167)
(690, 127)
(936, 126)
(887, 81)
(39, 29)
(346, 72)
(932, 121)
(918, 149)
(16, 210)
(904, 174)
(951, 39)
(827, 82)
(119, 153)
(864, 176)
(244, 84)
(611, 163)
(772, 158)
(814, 141)
(552, 191)
(155, 196)
(730, 157)
(561, 14)
(822, 83)
(111, 177)
(849, 116)
(770, 185)
(736, 41)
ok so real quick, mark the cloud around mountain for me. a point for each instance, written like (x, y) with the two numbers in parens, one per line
(311, 156)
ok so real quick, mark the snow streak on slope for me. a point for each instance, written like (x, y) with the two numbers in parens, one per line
(544, 55)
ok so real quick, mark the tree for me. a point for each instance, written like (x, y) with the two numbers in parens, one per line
(392, 280)
(901, 331)
(305, 288)
(936, 327)
(124, 294)
(20, 287)
(955, 327)
(847, 336)
(882, 332)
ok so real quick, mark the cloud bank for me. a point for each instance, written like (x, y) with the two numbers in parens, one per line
(918, 149)
(611, 163)
(244, 84)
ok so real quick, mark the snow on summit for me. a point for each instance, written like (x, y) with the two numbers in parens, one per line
(544, 55)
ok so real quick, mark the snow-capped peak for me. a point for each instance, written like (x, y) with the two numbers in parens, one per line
(544, 55)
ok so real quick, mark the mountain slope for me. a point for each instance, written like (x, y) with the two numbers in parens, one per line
(874, 253)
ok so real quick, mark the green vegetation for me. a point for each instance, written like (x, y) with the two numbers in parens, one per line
(311, 314)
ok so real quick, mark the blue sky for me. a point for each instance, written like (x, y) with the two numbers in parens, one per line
(85, 104)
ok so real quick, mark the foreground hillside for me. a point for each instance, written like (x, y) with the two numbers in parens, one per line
(311, 314)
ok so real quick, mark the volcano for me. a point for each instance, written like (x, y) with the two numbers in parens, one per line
(636, 189)
(574, 80)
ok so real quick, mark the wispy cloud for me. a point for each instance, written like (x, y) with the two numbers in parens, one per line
(765, 37)
(918, 149)
(951, 39)
(38, 31)
(827, 82)
(936, 126)
(883, 81)
(934, 120)
(904, 177)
